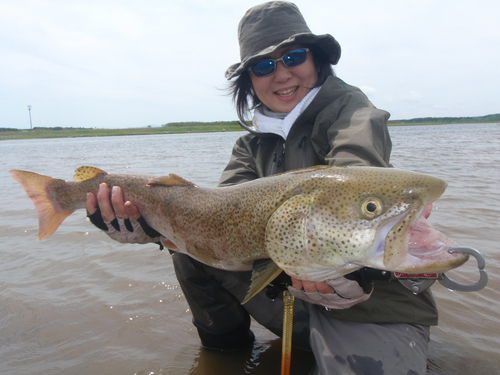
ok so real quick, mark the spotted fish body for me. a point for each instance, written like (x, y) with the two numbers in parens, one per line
(316, 223)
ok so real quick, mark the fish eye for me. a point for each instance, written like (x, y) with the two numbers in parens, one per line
(371, 207)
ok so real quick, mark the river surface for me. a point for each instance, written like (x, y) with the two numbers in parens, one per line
(79, 303)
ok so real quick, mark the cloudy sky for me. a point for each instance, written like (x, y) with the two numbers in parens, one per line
(124, 63)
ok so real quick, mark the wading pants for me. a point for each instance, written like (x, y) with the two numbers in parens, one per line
(339, 346)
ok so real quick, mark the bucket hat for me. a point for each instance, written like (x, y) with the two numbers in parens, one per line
(268, 27)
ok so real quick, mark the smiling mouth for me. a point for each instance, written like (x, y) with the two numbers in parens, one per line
(287, 92)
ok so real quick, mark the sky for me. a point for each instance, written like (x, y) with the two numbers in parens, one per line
(124, 63)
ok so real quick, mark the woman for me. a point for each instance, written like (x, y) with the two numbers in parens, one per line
(302, 116)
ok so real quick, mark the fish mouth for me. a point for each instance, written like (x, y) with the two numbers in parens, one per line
(412, 245)
(421, 249)
(428, 250)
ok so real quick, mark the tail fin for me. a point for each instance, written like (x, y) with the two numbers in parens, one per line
(50, 215)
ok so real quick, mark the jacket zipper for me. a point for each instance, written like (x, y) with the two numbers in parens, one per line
(280, 160)
(303, 140)
(276, 160)
(303, 143)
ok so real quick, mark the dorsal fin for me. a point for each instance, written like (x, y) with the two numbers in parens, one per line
(170, 180)
(87, 173)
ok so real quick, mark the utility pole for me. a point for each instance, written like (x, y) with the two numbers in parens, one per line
(29, 110)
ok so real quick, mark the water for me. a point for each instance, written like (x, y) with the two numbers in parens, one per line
(79, 303)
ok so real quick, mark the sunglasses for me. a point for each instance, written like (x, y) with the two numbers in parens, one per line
(290, 59)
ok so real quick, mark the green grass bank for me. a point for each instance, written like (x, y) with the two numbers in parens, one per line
(203, 127)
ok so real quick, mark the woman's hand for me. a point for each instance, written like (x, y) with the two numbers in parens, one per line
(337, 294)
(111, 208)
(120, 219)
(312, 287)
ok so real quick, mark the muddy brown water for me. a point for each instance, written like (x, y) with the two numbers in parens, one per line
(79, 303)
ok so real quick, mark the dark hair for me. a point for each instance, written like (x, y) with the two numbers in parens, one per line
(244, 96)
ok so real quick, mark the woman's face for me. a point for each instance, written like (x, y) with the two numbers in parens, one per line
(282, 90)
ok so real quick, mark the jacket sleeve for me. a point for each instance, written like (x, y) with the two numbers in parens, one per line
(359, 134)
(241, 166)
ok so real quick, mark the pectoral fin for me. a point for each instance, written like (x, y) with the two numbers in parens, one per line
(264, 272)
(168, 244)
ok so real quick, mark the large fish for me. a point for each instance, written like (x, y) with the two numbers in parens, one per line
(316, 224)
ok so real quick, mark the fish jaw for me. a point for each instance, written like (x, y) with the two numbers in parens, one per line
(428, 251)
(418, 197)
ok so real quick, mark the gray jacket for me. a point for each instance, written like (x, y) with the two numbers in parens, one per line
(340, 127)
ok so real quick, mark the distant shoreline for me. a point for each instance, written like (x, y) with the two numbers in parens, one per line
(202, 127)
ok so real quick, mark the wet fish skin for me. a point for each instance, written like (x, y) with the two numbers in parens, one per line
(316, 223)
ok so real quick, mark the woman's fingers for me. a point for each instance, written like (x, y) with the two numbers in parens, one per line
(312, 287)
(104, 201)
(91, 203)
(118, 203)
(123, 209)
(324, 288)
(111, 203)
(132, 211)
(309, 286)
(297, 284)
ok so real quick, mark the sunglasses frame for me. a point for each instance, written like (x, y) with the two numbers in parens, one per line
(275, 61)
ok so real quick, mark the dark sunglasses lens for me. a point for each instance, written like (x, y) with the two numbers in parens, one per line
(263, 68)
(295, 57)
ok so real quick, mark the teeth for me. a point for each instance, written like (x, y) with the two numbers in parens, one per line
(287, 92)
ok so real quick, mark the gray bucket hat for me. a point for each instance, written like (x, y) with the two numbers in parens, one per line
(274, 25)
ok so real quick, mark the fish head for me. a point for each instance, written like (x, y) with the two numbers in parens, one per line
(345, 218)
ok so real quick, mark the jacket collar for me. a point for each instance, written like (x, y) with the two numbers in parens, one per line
(322, 98)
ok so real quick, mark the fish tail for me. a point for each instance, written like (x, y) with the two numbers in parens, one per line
(37, 186)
